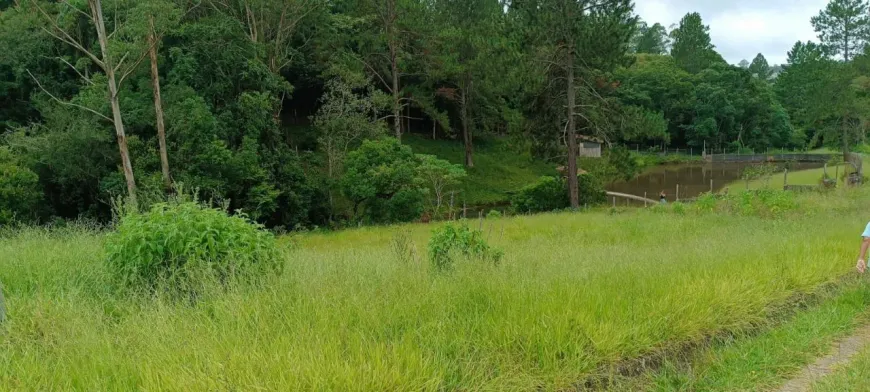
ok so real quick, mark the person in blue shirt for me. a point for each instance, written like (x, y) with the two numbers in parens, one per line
(862, 260)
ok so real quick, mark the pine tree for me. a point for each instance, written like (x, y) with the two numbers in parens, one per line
(692, 49)
(843, 27)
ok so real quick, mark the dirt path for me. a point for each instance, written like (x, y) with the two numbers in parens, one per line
(842, 353)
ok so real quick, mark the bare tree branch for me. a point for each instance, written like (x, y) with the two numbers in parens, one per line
(68, 103)
(85, 78)
(64, 37)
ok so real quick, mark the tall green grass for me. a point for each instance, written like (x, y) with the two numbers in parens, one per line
(573, 293)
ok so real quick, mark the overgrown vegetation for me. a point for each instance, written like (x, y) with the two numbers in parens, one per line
(182, 248)
(347, 315)
(549, 194)
(451, 241)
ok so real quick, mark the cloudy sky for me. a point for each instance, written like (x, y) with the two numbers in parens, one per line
(741, 29)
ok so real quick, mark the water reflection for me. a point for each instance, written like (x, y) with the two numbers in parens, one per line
(693, 179)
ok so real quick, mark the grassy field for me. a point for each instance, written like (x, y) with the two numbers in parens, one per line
(498, 168)
(764, 360)
(574, 294)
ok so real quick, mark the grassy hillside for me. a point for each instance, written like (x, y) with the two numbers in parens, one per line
(574, 294)
(498, 169)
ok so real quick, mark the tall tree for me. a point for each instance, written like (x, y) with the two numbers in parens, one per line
(760, 68)
(576, 39)
(692, 48)
(843, 27)
(383, 40)
(805, 52)
(467, 45)
(116, 72)
(157, 16)
(652, 39)
(743, 64)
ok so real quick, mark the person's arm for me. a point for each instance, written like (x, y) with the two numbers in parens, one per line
(862, 263)
(864, 246)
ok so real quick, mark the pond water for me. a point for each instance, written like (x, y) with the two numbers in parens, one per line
(693, 179)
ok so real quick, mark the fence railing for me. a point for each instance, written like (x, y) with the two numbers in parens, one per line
(819, 158)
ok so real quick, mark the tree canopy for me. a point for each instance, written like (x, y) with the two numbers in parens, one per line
(282, 109)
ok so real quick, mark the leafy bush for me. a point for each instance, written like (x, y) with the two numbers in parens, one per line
(183, 247)
(382, 182)
(450, 240)
(551, 194)
(548, 194)
(19, 190)
(679, 208)
(706, 202)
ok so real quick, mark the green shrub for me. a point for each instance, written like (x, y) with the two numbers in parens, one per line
(450, 240)
(548, 194)
(183, 247)
(763, 203)
(381, 180)
(20, 194)
(706, 202)
(494, 214)
(679, 208)
(551, 194)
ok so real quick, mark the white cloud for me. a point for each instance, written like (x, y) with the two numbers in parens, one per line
(740, 29)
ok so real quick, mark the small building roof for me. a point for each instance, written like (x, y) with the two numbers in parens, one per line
(590, 139)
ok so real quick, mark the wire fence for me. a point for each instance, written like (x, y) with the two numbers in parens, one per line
(701, 151)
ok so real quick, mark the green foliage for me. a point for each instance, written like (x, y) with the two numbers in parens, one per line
(440, 177)
(765, 203)
(453, 240)
(760, 68)
(651, 39)
(240, 87)
(20, 195)
(692, 49)
(616, 164)
(706, 202)
(550, 194)
(182, 248)
(759, 172)
(381, 178)
(494, 214)
(843, 27)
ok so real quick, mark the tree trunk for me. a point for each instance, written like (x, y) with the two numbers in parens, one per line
(466, 131)
(158, 107)
(573, 186)
(97, 11)
(390, 20)
(397, 103)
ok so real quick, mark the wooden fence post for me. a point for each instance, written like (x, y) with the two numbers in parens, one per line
(711, 185)
(2, 306)
(644, 199)
(678, 192)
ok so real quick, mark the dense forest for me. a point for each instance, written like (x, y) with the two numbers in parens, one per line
(294, 111)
